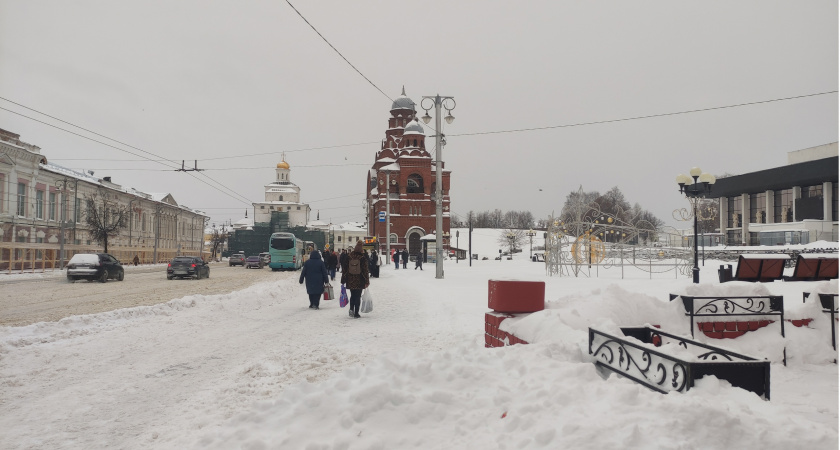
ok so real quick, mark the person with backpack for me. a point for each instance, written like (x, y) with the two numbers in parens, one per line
(356, 276)
(315, 273)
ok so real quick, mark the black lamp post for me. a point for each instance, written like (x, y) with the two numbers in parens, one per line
(694, 191)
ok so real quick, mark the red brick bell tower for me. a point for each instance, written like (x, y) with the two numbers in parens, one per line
(404, 164)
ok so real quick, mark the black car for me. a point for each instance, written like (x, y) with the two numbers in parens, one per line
(187, 266)
(94, 266)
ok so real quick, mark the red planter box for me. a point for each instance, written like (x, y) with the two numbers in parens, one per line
(516, 296)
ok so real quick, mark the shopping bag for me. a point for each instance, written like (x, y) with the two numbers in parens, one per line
(342, 301)
(367, 302)
(328, 292)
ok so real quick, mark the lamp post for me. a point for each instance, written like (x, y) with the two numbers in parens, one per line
(439, 142)
(531, 235)
(694, 191)
(511, 237)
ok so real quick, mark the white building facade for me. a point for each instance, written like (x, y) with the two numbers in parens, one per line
(42, 208)
(284, 196)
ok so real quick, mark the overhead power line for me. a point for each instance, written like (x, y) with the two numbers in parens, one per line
(339, 53)
(118, 148)
(650, 116)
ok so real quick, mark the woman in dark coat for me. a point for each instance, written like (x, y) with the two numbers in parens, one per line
(374, 264)
(356, 283)
(316, 275)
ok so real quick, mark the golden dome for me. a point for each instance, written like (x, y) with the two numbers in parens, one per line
(283, 165)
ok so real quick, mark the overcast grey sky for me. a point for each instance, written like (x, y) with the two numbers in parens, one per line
(234, 84)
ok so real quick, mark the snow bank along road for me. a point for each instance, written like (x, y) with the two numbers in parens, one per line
(48, 299)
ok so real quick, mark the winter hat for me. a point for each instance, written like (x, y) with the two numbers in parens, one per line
(358, 246)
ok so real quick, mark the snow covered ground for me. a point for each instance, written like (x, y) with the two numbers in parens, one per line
(257, 369)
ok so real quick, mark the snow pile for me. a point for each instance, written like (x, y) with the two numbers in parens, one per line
(257, 369)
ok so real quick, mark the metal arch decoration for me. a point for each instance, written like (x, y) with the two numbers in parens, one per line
(585, 235)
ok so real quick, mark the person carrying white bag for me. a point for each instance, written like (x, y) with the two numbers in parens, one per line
(356, 275)
(367, 302)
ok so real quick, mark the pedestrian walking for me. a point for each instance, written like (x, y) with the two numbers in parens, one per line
(418, 262)
(342, 259)
(356, 276)
(315, 273)
(136, 260)
(395, 256)
(331, 262)
(374, 264)
(405, 258)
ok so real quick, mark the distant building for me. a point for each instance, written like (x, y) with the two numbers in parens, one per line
(283, 196)
(791, 204)
(403, 177)
(41, 202)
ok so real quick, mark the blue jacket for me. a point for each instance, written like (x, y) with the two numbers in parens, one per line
(315, 273)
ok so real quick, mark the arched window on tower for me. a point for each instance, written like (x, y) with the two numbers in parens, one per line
(414, 184)
(415, 142)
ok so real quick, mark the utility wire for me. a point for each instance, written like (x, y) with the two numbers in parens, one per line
(643, 117)
(114, 147)
(339, 53)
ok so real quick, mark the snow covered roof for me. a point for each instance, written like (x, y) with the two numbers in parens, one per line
(765, 256)
(391, 167)
(818, 255)
(403, 102)
(414, 128)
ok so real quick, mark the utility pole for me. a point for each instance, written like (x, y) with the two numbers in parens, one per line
(439, 142)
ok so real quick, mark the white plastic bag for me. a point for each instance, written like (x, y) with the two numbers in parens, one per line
(367, 302)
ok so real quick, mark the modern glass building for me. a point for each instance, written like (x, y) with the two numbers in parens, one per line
(792, 204)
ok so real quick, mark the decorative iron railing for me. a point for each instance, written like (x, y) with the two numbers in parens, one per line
(667, 363)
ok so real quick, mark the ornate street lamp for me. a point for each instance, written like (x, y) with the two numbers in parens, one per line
(531, 235)
(438, 101)
(694, 192)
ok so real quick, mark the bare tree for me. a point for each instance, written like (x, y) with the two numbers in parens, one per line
(104, 218)
(513, 239)
(217, 240)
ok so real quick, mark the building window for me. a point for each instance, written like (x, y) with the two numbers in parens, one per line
(414, 184)
(758, 208)
(783, 206)
(2, 185)
(733, 237)
(39, 204)
(339, 238)
(52, 206)
(393, 238)
(262, 207)
(735, 219)
(833, 201)
(281, 198)
(21, 199)
(298, 208)
(812, 191)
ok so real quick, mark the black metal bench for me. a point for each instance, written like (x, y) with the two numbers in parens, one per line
(829, 306)
(631, 356)
(771, 305)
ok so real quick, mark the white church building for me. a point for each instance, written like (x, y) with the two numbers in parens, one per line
(282, 195)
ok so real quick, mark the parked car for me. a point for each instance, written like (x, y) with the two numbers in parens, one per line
(266, 257)
(94, 266)
(237, 259)
(254, 261)
(187, 266)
